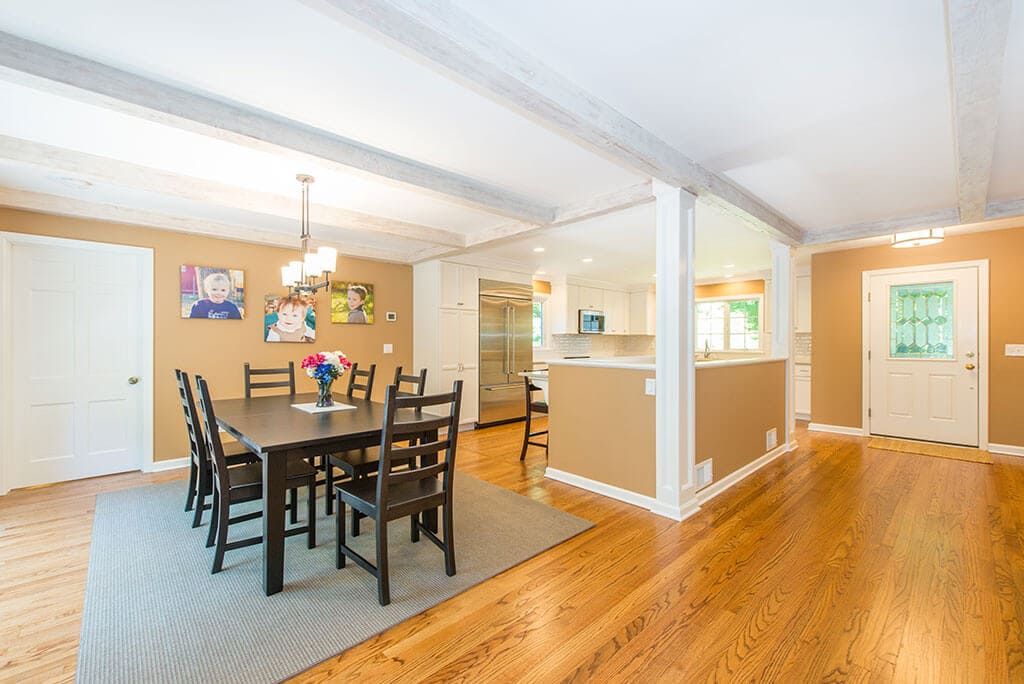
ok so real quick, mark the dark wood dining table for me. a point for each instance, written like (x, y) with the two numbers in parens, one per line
(278, 432)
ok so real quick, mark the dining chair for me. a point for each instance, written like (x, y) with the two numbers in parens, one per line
(418, 382)
(390, 495)
(366, 386)
(200, 473)
(245, 483)
(287, 374)
(363, 459)
(531, 408)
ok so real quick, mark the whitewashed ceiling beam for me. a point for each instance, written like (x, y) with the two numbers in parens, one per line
(1005, 209)
(976, 35)
(126, 175)
(443, 35)
(67, 206)
(97, 83)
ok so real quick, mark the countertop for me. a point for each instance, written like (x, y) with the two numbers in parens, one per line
(628, 362)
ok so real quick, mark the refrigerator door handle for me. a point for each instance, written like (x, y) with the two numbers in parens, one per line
(508, 338)
(512, 331)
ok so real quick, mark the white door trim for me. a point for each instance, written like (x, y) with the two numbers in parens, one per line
(983, 350)
(7, 240)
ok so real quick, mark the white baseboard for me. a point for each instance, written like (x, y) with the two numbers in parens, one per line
(802, 416)
(1007, 449)
(170, 464)
(677, 513)
(604, 489)
(716, 488)
(836, 429)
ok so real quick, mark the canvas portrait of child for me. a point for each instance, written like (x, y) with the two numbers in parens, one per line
(289, 318)
(351, 302)
(212, 293)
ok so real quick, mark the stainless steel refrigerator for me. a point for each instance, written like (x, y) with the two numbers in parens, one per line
(506, 349)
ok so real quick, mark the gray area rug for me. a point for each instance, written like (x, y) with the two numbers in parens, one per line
(154, 613)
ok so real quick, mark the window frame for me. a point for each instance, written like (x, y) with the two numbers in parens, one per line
(733, 298)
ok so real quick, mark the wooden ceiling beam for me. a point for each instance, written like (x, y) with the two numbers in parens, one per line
(445, 36)
(95, 83)
(976, 36)
(136, 177)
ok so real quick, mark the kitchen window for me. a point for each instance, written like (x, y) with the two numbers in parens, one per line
(538, 325)
(729, 324)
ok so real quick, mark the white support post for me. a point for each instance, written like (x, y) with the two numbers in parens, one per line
(674, 399)
(781, 311)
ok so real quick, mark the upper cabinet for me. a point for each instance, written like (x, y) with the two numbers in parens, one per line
(591, 298)
(460, 287)
(616, 312)
(642, 312)
(803, 304)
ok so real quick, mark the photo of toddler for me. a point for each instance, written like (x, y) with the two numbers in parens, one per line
(351, 303)
(289, 319)
(212, 293)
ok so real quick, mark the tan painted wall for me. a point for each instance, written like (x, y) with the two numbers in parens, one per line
(736, 405)
(217, 349)
(729, 289)
(836, 336)
(602, 426)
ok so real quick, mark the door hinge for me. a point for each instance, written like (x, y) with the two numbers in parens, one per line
(869, 412)
(869, 296)
(869, 354)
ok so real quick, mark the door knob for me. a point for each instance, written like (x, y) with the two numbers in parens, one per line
(133, 380)
(969, 366)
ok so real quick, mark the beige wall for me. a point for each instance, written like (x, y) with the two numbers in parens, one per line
(836, 312)
(217, 349)
(736, 405)
(602, 426)
(729, 289)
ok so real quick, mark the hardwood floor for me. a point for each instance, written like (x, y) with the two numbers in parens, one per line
(833, 563)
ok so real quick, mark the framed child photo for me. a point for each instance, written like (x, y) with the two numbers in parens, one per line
(289, 318)
(351, 302)
(209, 292)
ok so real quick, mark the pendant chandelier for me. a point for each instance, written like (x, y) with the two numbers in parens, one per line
(301, 276)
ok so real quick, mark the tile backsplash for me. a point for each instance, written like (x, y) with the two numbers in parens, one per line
(802, 344)
(601, 345)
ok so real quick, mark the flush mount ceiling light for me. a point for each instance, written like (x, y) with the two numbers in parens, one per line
(587, 260)
(918, 238)
(538, 249)
(300, 276)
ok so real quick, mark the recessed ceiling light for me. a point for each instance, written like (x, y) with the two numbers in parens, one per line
(540, 273)
(729, 266)
(729, 275)
(538, 249)
(587, 260)
(654, 275)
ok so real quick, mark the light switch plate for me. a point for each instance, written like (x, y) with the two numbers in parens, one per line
(649, 386)
(1015, 350)
(389, 348)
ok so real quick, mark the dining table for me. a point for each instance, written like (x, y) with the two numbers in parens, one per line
(277, 432)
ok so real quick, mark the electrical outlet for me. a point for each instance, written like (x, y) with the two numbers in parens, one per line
(771, 439)
(389, 348)
(650, 386)
(703, 474)
(1015, 350)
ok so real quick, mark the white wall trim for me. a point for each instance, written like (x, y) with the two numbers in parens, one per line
(169, 464)
(983, 333)
(837, 429)
(604, 489)
(802, 416)
(715, 488)
(146, 257)
(1007, 449)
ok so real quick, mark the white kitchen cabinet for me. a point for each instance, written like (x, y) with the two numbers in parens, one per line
(460, 287)
(572, 309)
(803, 304)
(616, 312)
(642, 312)
(458, 357)
(591, 298)
(802, 391)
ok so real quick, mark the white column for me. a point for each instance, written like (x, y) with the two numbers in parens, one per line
(781, 309)
(675, 364)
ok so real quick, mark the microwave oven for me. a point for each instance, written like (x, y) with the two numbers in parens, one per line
(591, 322)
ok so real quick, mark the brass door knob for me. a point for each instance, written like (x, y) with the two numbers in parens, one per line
(133, 380)
(969, 366)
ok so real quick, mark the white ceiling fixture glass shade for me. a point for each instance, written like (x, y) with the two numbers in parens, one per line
(918, 238)
(301, 276)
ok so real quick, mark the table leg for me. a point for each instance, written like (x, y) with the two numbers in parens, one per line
(274, 469)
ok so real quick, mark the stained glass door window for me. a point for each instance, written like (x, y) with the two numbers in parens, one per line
(921, 321)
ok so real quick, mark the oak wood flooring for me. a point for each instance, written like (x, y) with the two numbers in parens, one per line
(833, 563)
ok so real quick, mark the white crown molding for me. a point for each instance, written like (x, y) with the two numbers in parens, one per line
(73, 76)
(136, 177)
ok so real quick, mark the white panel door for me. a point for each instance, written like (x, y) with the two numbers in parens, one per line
(76, 346)
(924, 355)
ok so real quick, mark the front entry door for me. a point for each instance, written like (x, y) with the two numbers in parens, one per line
(924, 355)
(77, 351)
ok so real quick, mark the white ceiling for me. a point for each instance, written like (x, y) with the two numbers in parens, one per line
(830, 113)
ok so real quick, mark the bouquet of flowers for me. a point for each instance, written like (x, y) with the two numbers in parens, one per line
(325, 368)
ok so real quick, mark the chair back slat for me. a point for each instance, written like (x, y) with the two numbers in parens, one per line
(391, 453)
(288, 381)
(214, 447)
(418, 382)
(361, 381)
(196, 443)
(414, 426)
